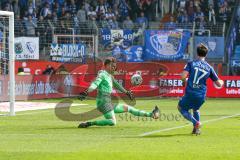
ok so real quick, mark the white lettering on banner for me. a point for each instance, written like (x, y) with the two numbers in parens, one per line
(232, 83)
(170, 83)
(172, 91)
(39, 87)
(67, 50)
(64, 59)
(233, 91)
(22, 88)
(50, 88)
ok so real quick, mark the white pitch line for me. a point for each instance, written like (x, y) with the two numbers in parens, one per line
(183, 126)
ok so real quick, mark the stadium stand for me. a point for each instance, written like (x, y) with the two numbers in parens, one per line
(44, 18)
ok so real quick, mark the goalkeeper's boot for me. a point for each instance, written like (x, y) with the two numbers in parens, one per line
(155, 113)
(84, 125)
(196, 129)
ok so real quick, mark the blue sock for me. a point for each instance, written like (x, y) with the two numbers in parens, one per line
(196, 115)
(187, 115)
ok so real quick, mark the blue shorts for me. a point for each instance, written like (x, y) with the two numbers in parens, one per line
(188, 102)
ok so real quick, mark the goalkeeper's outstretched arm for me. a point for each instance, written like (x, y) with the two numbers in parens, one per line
(118, 86)
(122, 89)
(94, 85)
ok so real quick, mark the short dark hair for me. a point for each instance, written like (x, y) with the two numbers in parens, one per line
(109, 60)
(202, 50)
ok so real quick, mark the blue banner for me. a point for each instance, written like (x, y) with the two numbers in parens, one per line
(110, 37)
(165, 45)
(1, 36)
(68, 52)
(215, 46)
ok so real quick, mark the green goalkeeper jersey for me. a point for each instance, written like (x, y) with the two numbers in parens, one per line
(104, 83)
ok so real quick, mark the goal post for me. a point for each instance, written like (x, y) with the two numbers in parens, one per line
(7, 49)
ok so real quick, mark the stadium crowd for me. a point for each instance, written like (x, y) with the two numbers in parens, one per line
(112, 14)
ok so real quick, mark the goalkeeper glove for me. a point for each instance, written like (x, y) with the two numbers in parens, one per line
(130, 95)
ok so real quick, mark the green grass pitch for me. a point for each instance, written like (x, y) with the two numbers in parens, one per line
(35, 135)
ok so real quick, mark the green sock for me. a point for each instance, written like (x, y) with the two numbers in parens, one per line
(136, 112)
(104, 122)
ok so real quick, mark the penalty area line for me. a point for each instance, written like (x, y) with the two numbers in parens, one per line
(183, 126)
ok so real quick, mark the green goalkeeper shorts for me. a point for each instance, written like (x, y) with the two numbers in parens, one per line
(104, 104)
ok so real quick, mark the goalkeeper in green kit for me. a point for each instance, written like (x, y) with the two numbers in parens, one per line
(104, 84)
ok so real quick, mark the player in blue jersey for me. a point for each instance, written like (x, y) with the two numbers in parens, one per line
(197, 71)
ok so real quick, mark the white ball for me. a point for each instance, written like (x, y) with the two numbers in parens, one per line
(136, 79)
(221, 81)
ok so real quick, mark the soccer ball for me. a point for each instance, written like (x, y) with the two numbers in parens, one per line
(136, 79)
(221, 81)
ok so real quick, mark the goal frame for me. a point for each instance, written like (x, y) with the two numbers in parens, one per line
(11, 62)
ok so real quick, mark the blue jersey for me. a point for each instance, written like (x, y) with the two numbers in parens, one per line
(199, 72)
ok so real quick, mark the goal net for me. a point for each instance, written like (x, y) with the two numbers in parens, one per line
(7, 69)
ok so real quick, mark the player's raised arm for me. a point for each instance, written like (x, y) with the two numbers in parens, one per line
(214, 77)
(122, 89)
(96, 82)
(118, 86)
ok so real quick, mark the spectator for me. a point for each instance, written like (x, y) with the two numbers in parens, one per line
(45, 10)
(113, 24)
(49, 70)
(54, 18)
(190, 10)
(86, 6)
(128, 23)
(7, 6)
(198, 15)
(224, 12)
(204, 5)
(101, 9)
(16, 8)
(81, 14)
(182, 17)
(211, 15)
(31, 9)
(109, 14)
(123, 9)
(149, 7)
(201, 27)
(57, 9)
(41, 31)
(60, 2)
(171, 25)
(50, 27)
(18, 26)
(92, 15)
(30, 26)
(134, 9)
(142, 21)
(72, 7)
